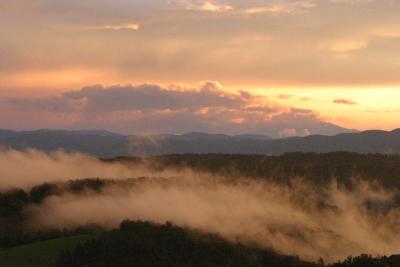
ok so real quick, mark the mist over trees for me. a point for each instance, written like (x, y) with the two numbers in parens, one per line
(205, 194)
(321, 169)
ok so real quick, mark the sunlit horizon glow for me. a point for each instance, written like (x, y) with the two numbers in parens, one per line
(337, 58)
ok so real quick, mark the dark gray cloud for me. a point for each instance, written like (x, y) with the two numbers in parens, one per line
(344, 101)
(51, 104)
(284, 96)
(148, 97)
(175, 109)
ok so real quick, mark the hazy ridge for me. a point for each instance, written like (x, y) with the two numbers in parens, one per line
(107, 145)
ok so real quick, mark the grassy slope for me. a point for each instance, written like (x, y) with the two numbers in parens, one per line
(42, 253)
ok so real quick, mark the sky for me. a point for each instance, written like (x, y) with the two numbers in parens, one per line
(277, 67)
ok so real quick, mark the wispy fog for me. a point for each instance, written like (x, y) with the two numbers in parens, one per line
(302, 219)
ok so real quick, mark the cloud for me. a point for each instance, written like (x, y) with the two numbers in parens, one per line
(287, 133)
(392, 111)
(288, 7)
(305, 98)
(25, 169)
(345, 46)
(207, 6)
(250, 8)
(387, 30)
(210, 7)
(344, 101)
(342, 46)
(149, 97)
(49, 104)
(178, 109)
(284, 96)
(227, 51)
(268, 215)
(353, 2)
(291, 132)
(115, 27)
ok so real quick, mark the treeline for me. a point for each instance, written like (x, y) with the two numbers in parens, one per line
(320, 169)
(138, 243)
(369, 261)
(145, 244)
(14, 218)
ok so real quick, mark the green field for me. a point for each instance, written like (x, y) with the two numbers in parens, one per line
(41, 254)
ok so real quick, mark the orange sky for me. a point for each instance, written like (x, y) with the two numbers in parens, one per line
(338, 58)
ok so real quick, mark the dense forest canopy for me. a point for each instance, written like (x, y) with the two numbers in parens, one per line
(345, 167)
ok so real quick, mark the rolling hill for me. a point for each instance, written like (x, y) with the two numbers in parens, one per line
(107, 145)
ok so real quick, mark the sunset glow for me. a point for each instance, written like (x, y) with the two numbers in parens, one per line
(338, 59)
(200, 133)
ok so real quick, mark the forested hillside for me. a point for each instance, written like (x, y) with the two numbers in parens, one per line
(211, 210)
(321, 169)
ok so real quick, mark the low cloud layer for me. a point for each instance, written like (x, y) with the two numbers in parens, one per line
(329, 222)
(272, 216)
(26, 169)
(150, 108)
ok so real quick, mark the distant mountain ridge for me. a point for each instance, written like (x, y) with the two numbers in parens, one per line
(107, 144)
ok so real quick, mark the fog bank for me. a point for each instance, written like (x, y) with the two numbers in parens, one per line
(301, 219)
